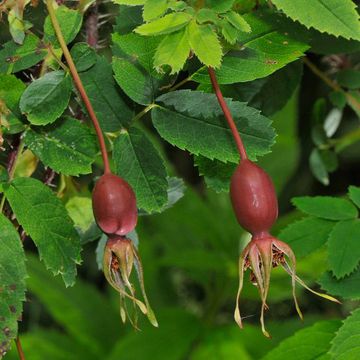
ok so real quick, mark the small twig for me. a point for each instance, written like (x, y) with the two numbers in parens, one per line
(79, 85)
(19, 348)
(227, 114)
(92, 33)
(143, 112)
(331, 83)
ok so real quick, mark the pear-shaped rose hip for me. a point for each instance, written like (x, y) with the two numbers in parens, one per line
(114, 205)
(253, 198)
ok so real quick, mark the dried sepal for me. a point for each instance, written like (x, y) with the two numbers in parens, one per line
(120, 256)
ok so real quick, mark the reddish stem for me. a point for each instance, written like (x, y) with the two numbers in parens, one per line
(19, 349)
(227, 114)
(79, 85)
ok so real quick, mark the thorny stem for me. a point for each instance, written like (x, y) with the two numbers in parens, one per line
(79, 85)
(328, 81)
(227, 114)
(92, 33)
(19, 348)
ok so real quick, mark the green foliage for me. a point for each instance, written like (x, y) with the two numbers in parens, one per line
(261, 52)
(133, 67)
(344, 250)
(52, 231)
(184, 117)
(109, 105)
(68, 147)
(326, 207)
(46, 98)
(314, 340)
(139, 163)
(345, 345)
(12, 282)
(154, 8)
(70, 23)
(15, 57)
(354, 194)
(84, 56)
(336, 17)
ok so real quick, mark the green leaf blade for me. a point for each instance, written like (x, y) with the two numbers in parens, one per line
(139, 163)
(336, 17)
(326, 207)
(344, 249)
(354, 194)
(68, 148)
(12, 277)
(186, 116)
(44, 218)
(154, 9)
(46, 98)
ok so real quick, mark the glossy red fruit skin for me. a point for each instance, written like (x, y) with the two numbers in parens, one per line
(114, 205)
(253, 198)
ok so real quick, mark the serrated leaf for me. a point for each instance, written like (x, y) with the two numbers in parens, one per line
(238, 21)
(81, 310)
(44, 218)
(130, 2)
(354, 194)
(12, 282)
(70, 24)
(206, 15)
(314, 340)
(84, 56)
(347, 288)
(229, 33)
(46, 98)
(205, 44)
(220, 6)
(109, 105)
(14, 57)
(343, 247)
(307, 235)
(259, 54)
(217, 174)
(165, 25)
(154, 8)
(326, 207)
(128, 19)
(335, 17)
(133, 67)
(69, 147)
(173, 51)
(80, 210)
(193, 120)
(346, 344)
(139, 163)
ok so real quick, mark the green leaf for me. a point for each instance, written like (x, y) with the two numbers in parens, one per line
(69, 147)
(238, 21)
(128, 19)
(318, 167)
(206, 15)
(173, 51)
(174, 322)
(307, 235)
(336, 17)
(220, 6)
(80, 210)
(139, 163)
(326, 207)
(154, 9)
(346, 344)
(343, 247)
(133, 67)
(44, 218)
(205, 44)
(84, 56)
(14, 57)
(348, 287)
(229, 33)
(81, 310)
(349, 78)
(217, 174)
(259, 54)
(314, 343)
(165, 25)
(109, 105)
(12, 282)
(70, 24)
(46, 98)
(186, 116)
(130, 2)
(354, 195)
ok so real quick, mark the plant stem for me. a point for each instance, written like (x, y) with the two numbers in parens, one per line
(347, 140)
(179, 84)
(19, 348)
(143, 112)
(14, 158)
(331, 83)
(79, 85)
(227, 114)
